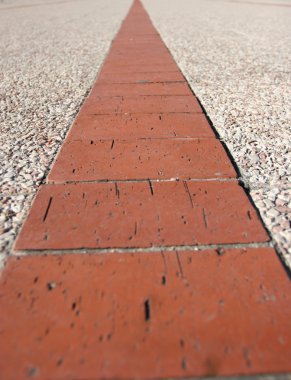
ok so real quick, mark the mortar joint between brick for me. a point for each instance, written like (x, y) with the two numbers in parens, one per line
(194, 248)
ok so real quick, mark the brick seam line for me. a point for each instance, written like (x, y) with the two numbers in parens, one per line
(152, 250)
(157, 248)
(52, 182)
(280, 376)
(283, 376)
(242, 182)
(242, 377)
(55, 182)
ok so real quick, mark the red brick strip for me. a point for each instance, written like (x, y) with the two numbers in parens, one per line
(142, 180)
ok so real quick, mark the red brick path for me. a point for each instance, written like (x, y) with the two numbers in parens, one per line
(173, 286)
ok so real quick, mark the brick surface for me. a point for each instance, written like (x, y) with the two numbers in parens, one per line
(127, 42)
(127, 38)
(130, 62)
(140, 89)
(136, 51)
(145, 316)
(92, 127)
(156, 76)
(91, 160)
(151, 56)
(140, 60)
(141, 104)
(114, 68)
(126, 33)
(123, 48)
(140, 214)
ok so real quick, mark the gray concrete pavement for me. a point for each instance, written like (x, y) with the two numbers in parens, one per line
(50, 53)
(236, 56)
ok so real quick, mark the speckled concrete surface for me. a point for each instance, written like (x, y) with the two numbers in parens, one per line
(50, 53)
(236, 56)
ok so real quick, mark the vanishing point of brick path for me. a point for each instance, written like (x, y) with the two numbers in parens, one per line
(142, 256)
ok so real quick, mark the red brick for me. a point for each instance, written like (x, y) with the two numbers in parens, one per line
(141, 60)
(157, 50)
(130, 55)
(140, 51)
(83, 316)
(138, 22)
(92, 127)
(148, 48)
(123, 44)
(140, 214)
(132, 31)
(129, 39)
(140, 89)
(134, 50)
(141, 159)
(137, 68)
(141, 104)
(150, 77)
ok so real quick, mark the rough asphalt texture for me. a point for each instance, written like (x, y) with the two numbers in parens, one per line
(50, 53)
(236, 56)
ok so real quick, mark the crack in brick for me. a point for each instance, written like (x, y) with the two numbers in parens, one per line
(47, 209)
(179, 265)
(147, 310)
(151, 187)
(117, 192)
(188, 193)
(205, 218)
